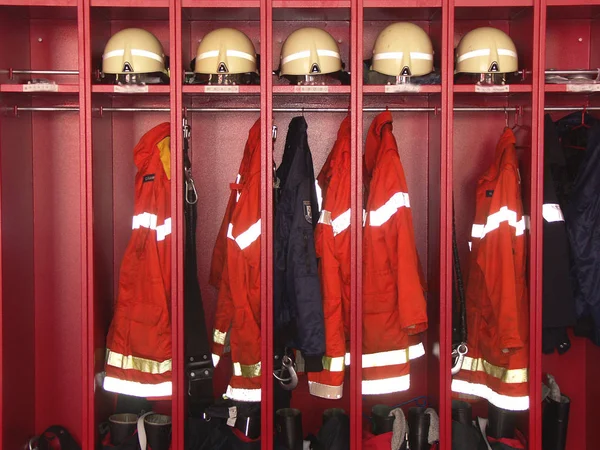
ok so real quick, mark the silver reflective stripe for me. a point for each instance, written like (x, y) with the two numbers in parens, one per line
(319, 195)
(216, 359)
(237, 192)
(386, 385)
(341, 222)
(134, 52)
(382, 359)
(306, 54)
(136, 389)
(485, 52)
(499, 400)
(552, 212)
(243, 395)
(247, 237)
(234, 53)
(325, 217)
(399, 55)
(148, 220)
(325, 390)
(494, 220)
(382, 214)
(416, 351)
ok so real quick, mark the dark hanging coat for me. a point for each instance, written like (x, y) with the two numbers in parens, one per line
(297, 304)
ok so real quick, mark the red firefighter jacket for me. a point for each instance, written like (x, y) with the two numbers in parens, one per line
(238, 307)
(497, 304)
(332, 240)
(394, 305)
(220, 251)
(138, 360)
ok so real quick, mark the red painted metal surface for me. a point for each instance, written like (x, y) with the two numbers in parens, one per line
(356, 204)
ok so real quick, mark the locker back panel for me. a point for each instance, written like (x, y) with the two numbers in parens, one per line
(57, 269)
(18, 296)
(104, 256)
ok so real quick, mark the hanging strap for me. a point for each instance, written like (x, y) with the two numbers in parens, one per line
(459, 347)
(460, 288)
(199, 366)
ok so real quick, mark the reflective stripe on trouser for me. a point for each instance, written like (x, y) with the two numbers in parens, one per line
(328, 383)
(503, 387)
(137, 389)
(244, 389)
(386, 379)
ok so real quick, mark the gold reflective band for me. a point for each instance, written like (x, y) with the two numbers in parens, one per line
(333, 364)
(246, 371)
(510, 376)
(219, 337)
(136, 363)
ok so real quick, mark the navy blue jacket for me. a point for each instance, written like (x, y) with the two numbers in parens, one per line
(297, 303)
(577, 181)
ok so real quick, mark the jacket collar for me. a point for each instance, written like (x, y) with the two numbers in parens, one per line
(372, 152)
(146, 147)
(335, 160)
(296, 146)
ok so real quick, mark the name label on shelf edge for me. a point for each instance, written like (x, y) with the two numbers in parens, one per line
(492, 89)
(41, 87)
(133, 89)
(320, 89)
(587, 87)
(394, 88)
(221, 89)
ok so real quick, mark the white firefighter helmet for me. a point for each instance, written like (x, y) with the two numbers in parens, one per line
(310, 51)
(486, 50)
(403, 49)
(134, 51)
(225, 51)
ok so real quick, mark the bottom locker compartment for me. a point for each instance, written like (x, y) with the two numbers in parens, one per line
(42, 267)
(131, 341)
(491, 327)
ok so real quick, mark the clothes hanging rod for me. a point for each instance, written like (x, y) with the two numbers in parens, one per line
(17, 109)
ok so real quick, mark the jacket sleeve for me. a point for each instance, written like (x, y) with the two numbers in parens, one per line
(223, 316)
(503, 240)
(219, 255)
(302, 263)
(399, 236)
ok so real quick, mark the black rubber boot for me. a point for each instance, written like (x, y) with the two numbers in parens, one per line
(555, 421)
(289, 428)
(331, 413)
(121, 427)
(382, 421)
(418, 429)
(462, 412)
(501, 422)
(158, 431)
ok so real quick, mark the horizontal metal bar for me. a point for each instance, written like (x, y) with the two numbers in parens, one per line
(572, 108)
(296, 110)
(40, 72)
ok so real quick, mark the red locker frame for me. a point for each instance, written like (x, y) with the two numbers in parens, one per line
(66, 181)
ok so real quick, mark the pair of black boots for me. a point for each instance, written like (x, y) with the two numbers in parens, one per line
(418, 425)
(555, 421)
(497, 432)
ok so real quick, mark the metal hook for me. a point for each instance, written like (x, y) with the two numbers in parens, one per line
(191, 195)
(290, 382)
(505, 118)
(459, 353)
(33, 443)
